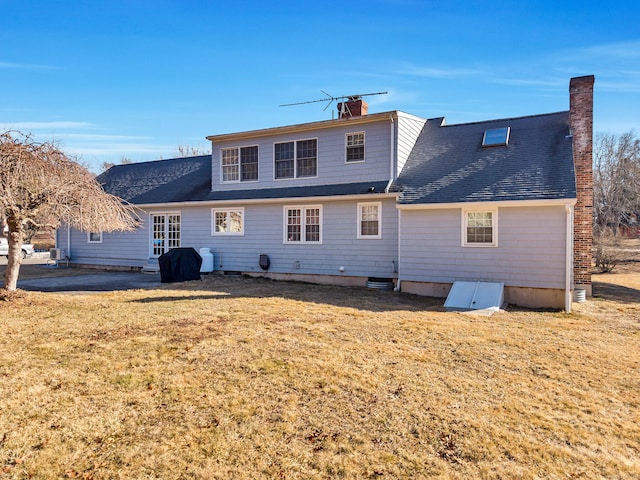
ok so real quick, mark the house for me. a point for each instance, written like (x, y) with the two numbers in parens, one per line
(375, 196)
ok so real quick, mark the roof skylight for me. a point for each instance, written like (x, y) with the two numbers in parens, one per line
(496, 137)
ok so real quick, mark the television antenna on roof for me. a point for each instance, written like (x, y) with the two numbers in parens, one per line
(330, 99)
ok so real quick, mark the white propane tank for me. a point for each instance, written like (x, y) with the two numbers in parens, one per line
(207, 260)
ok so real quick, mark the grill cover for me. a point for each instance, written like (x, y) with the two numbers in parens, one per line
(180, 265)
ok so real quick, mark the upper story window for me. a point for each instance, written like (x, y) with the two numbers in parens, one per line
(480, 228)
(239, 164)
(355, 147)
(296, 159)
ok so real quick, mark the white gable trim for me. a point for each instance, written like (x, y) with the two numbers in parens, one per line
(303, 127)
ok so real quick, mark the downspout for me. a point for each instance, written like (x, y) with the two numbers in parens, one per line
(398, 286)
(392, 177)
(568, 259)
(392, 135)
(68, 242)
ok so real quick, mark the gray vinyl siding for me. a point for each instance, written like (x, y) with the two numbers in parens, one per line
(332, 167)
(61, 237)
(263, 233)
(408, 130)
(129, 249)
(340, 246)
(530, 252)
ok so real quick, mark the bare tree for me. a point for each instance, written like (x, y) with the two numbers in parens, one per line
(123, 161)
(616, 190)
(40, 186)
(192, 151)
(616, 179)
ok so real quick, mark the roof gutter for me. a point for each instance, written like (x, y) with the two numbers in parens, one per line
(316, 199)
(485, 205)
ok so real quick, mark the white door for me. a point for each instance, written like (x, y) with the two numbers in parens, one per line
(165, 233)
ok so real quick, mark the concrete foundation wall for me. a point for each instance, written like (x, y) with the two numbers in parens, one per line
(521, 296)
(344, 281)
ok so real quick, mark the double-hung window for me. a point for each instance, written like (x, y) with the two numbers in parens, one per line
(94, 237)
(355, 147)
(239, 164)
(369, 221)
(228, 221)
(479, 228)
(303, 224)
(296, 159)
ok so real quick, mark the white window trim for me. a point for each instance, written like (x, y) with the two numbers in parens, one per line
(494, 227)
(346, 147)
(94, 241)
(239, 149)
(227, 211)
(303, 209)
(222, 150)
(359, 226)
(295, 159)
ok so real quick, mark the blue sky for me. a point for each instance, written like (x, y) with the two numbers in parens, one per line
(137, 79)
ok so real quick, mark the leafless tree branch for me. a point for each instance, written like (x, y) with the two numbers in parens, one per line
(40, 186)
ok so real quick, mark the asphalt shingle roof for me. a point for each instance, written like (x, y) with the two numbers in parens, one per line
(449, 165)
(162, 181)
(189, 180)
(360, 188)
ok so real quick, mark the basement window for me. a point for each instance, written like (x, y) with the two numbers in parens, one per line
(496, 137)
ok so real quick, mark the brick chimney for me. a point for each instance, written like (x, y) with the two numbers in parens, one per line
(355, 107)
(581, 119)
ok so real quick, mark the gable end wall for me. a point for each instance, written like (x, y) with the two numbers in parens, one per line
(408, 131)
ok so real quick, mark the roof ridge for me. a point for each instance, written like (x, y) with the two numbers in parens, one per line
(158, 160)
(502, 119)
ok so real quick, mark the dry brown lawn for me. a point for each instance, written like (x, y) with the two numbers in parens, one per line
(247, 378)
